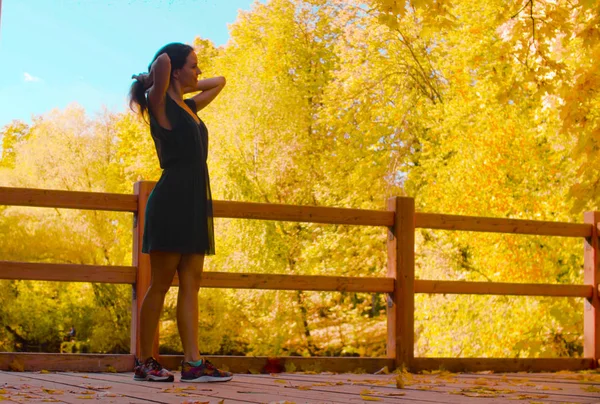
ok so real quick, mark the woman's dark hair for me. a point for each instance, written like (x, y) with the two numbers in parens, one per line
(178, 53)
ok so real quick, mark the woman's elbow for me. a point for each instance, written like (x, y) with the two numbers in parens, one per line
(164, 60)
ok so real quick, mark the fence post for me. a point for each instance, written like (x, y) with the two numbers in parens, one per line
(401, 266)
(591, 274)
(142, 263)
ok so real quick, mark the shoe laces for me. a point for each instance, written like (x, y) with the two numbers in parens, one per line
(153, 363)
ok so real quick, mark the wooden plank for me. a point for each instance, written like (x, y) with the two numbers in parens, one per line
(50, 198)
(294, 282)
(141, 261)
(444, 386)
(66, 272)
(65, 362)
(294, 387)
(501, 225)
(321, 388)
(81, 388)
(25, 387)
(499, 288)
(567, 380)
(502, 364)
(401, 267)
(263, 364)
(127, 275)
(296, 213)
(591, 275)
(244, 388)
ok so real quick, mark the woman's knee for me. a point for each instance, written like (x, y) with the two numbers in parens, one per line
(190, 281)
(160, 288)
(190, 271)
(163, 266)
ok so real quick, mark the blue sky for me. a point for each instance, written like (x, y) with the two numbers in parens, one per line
(55, 52)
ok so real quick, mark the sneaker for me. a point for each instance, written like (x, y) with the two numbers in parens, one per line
(151, 371)
(206, 372)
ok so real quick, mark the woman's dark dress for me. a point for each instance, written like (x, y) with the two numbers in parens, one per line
(179, 210)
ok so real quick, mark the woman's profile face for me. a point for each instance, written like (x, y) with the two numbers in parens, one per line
(188, 74)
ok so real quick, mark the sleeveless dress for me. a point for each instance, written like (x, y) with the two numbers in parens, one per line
(179, 214)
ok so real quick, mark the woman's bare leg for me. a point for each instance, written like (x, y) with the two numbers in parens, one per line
(163, 266)
(190, 273)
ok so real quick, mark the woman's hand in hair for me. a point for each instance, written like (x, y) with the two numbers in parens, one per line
(145, 79)
(209, 88)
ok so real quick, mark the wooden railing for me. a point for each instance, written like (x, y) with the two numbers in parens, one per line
(400, 285)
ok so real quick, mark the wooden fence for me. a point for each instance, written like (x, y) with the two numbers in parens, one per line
(400, 285)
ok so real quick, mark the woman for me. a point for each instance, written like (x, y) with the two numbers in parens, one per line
(178, 232)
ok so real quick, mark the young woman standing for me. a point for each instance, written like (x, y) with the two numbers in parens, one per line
(178, 231)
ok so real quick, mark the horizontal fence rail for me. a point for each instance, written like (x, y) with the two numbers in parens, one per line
(233, 280)
(221, 209)
(34, 271)
(210, 279)
(500, 288)
(401, 221)
(45, 198)
(293, 213)
(501, 225)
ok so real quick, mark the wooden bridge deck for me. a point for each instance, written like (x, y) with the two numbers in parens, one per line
(304, 388)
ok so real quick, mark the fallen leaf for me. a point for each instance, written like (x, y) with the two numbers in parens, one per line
(383, 371)
(592, 389)
(44, 371)
(368, 398)
(482, 391)
(280, 381)
(549, 388)
(531, 396)
(274, 365)
(399, 381)
(16, 366)
(91, 386)
(51, 391)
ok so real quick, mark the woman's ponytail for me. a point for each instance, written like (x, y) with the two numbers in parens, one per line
(137, 96)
